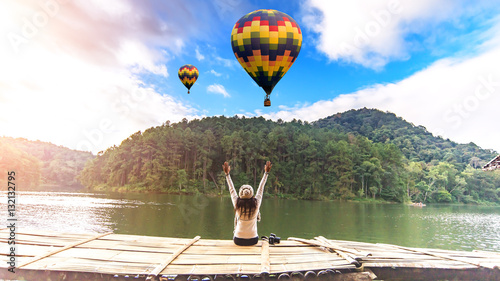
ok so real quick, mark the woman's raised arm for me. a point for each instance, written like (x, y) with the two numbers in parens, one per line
(260, 191)
(232, 191)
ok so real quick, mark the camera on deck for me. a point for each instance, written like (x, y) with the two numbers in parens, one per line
(272, 239)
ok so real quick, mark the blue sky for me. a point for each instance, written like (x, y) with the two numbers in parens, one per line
(87, 74)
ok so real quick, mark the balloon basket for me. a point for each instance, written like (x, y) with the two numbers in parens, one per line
(267, 102)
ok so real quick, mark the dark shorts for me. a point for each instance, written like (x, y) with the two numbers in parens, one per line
(245, 242)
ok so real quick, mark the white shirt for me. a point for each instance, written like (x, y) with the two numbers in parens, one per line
(246, 227)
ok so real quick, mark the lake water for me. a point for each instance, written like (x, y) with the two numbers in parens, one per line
(453, 227)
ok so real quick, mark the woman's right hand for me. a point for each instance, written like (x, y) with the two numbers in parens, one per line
(268, 166)
(226, 168)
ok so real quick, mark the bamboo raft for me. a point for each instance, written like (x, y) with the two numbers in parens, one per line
(44, 255)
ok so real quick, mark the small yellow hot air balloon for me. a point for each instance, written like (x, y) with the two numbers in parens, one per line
(188, 74)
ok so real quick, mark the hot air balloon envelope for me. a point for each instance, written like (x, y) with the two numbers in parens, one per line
(188, 74)
(266, 43)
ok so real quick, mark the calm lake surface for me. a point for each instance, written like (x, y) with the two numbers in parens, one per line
(453, 227)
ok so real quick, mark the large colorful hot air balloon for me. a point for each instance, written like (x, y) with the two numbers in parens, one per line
(188, 75)
(266, 43)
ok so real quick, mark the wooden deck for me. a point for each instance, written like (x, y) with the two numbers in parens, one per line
(43, 255)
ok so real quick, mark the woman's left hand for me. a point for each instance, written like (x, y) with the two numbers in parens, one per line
(226, 168)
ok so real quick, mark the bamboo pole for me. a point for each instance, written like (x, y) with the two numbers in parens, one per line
(437, 255)
(265, 262)
(336, 246)
(344, 255)
(486, 252)
(164, 264)
(63, 249)
(321, 244)
(354, 252)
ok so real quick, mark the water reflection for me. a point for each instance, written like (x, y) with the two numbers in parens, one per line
(69, 212)
(435, 226)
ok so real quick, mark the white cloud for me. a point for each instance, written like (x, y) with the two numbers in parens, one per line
(375, 32)
(73, 78)
(140, 58)
(226, 62)
(79, 105)
(215, 73)
(117, 33)
(456, 98)
(218, 89)
(199, 56)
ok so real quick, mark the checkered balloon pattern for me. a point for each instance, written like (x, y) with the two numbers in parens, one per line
(266, 43)
(188, 74)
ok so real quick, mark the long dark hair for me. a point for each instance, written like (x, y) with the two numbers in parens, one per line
(246, 206)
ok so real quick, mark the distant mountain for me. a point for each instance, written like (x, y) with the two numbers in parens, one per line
(41, 165)
(415, 142)
(350, 155)
(355, 155)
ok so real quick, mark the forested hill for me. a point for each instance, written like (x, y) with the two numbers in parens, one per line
(323, 160)
(41, 165)
(415, 142)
